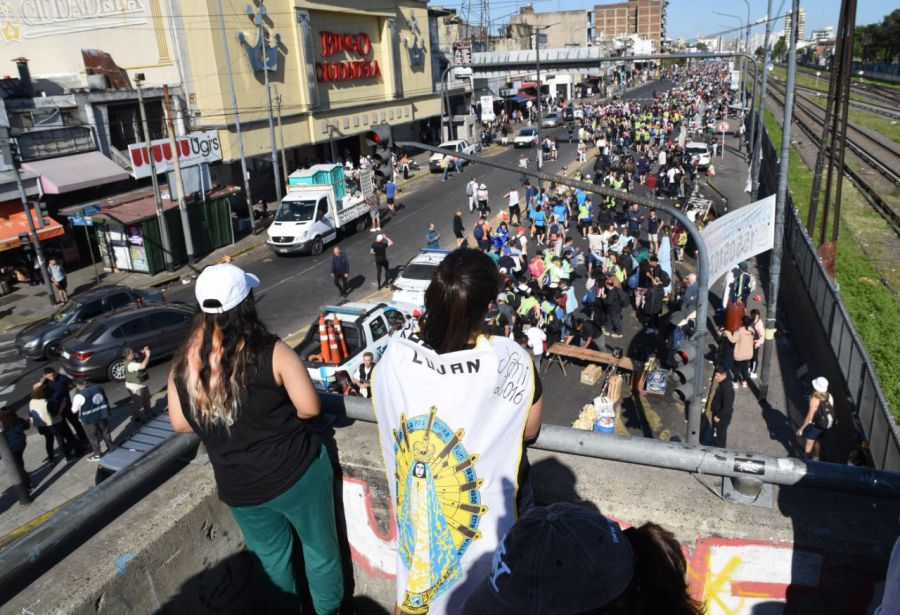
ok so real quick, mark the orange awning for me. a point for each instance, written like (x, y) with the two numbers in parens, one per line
(13, 222)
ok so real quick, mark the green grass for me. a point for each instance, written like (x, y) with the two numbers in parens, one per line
(872, 306)
(879, 123)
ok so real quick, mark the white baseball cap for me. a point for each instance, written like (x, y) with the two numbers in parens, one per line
(222, 287)
(820, 384)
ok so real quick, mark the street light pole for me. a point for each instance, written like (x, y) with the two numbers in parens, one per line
(265, 61)
(160, 212)
(756, 138)
(237, 120)
(537, 66)
(780, 202)
(179, 181)
(38, 249)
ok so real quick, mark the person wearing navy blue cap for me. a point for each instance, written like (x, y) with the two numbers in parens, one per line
(568, 559)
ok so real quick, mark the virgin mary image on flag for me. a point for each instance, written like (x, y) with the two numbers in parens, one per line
(439, 507)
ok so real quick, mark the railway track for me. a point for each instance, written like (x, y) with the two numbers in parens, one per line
(891, 111)
(873, 153)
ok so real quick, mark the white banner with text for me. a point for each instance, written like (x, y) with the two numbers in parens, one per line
(739, 235)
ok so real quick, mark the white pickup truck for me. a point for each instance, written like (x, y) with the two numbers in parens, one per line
(460, 146)
(365, 327)
(310, 215)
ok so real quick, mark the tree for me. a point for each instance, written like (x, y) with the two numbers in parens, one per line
(702, 47)
(760, 51)
(779, 49)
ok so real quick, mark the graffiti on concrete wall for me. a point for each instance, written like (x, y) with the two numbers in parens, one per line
(731, 576)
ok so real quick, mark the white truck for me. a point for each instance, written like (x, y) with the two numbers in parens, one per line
(365, 326)
(315, 208)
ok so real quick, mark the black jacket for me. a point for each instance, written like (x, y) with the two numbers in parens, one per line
(723, 401)
(340, 264)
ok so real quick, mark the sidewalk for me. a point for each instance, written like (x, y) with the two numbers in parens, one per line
(765, 426)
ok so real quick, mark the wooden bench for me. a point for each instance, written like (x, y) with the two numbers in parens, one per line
(561, 353)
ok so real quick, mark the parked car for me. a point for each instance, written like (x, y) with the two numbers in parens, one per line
(365, 327)
(459, 146)
(527, 137)
(698, 151)
(551, 120)
(414, 279)
(95, 351)
(42, 339)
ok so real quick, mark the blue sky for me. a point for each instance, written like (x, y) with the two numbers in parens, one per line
(687, 18)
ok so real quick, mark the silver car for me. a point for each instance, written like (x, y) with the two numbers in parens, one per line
(551, 120)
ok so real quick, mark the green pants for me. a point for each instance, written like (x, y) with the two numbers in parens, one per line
(308, 506)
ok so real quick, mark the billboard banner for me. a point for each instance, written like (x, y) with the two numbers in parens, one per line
(193, 149)
(739, 235)
(487, 109)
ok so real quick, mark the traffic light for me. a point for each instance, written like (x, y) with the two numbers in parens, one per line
(686, 358)
(381, 137)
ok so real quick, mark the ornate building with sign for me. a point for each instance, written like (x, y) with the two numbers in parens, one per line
(333, 69)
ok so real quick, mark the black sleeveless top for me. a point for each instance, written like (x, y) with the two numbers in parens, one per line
(267, 449)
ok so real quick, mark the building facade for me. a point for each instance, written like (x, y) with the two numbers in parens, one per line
(557, 29)
(801, 25)
(333, 69)
(646, 18)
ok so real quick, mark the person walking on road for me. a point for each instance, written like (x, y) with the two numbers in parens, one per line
(47, 422)
(483, 195)
(432, 238)
(459, 230)
(819, 418)
(471, 193)
(743, 340)
(60, 385)
(515, 212)
(722, 408)
(136, 377)
(92, 407)
(379, 250)
(58, 278)
(248, 396)
(390, 192)
(340, 270)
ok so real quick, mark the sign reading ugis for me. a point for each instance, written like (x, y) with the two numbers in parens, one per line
(193, 149)
(359, 45)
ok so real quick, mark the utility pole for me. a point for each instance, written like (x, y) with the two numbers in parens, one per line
(775, 263)
(284, 168)
(38, 250)
(237, 120)
(160, 212)
(182, 207)
(537, 65)
(756, 136)
(265, 60)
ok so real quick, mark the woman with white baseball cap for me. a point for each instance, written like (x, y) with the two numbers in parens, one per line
(819, 418)
(248, 396)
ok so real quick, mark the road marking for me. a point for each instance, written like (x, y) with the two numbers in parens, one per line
(24, 529)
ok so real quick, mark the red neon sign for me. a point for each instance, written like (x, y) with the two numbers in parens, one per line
(359, 45)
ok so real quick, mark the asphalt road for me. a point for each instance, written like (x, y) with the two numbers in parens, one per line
(294, 288)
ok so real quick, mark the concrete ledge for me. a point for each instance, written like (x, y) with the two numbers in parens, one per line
(179, 551)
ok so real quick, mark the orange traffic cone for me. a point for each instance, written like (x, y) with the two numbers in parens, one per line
(334, 352)
(339, 332)
(324, 347)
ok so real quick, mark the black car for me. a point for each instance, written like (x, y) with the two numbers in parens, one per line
(95, 351)
(42, 339)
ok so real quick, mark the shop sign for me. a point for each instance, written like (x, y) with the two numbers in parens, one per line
(462, 54)
(356, 45)
(193, 149)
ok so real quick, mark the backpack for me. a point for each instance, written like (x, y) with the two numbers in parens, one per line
(470, 191)
(633, 279)
(479, 232)
(554, 232)
(824, 418)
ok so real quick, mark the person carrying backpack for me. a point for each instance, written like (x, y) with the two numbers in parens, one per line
(481, 231)
(819, 418)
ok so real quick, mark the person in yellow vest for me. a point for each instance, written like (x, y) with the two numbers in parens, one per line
(136, 382)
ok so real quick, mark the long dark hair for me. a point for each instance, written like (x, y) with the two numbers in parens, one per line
(213, 364)
(457, 299)
(658, 586)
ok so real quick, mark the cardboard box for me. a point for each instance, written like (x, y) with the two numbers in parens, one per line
(591, 375)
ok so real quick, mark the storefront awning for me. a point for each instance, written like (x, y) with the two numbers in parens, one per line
(71, 173)
(13, 222)
(520, 99)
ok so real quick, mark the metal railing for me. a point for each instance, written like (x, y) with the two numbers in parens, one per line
(866, 396)
(27, 555)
